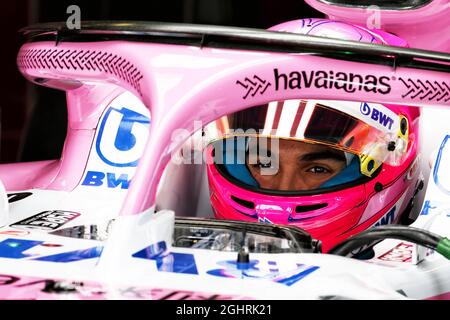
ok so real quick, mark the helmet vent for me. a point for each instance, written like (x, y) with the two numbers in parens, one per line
(301, 209)
(244, 203)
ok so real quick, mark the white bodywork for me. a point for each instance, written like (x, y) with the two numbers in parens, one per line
(137, 260)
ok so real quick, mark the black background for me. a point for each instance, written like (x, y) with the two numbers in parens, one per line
(34, 119)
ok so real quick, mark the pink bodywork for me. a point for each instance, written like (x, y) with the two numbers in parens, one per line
(340, 214)
(179, 84)
(33, 288)
(425, 27)
(339, 30)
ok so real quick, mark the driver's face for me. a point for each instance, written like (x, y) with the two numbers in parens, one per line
(301, 166)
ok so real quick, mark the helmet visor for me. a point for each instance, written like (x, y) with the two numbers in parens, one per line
(317, 124)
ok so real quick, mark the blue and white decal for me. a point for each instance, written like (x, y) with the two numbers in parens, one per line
(167, 261)
(382, 117)
(98, 179)
(435, 208)
(176, 262)
(427, 207)
(38, 250)
(259, 270)
(12, 248)
(119, 143)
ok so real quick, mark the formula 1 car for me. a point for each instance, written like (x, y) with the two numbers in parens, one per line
(77, 228)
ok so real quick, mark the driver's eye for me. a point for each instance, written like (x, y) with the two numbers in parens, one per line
(318, 169)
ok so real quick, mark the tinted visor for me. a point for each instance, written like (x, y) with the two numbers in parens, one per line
(287, 137)
(310, 122)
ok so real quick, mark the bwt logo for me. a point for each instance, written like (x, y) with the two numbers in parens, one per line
(96, 179)
(122, 137)
(376, 115)
(120, 143)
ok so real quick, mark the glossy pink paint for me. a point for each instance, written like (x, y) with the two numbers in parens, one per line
(179, 84)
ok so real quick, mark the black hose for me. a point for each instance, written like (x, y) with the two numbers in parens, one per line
(418, 236)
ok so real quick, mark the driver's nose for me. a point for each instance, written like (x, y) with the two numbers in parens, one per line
(287, 180)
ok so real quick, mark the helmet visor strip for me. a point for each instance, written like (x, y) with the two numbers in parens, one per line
(346, 128)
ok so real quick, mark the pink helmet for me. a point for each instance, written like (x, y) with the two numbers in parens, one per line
(333, 168)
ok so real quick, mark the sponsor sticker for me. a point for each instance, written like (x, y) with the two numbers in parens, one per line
(119, 143)
(400, 253)
(268, 270)
(320, 79)
(328, 79)
(122, 136)
(13, 197)
(381, 117)
(47, 220)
